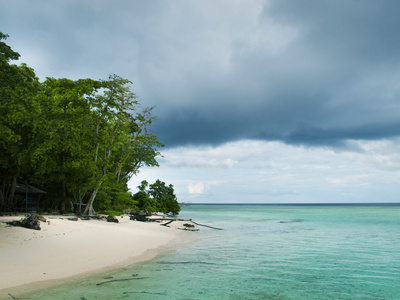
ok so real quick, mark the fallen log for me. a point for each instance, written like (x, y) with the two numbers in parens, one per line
(176, 219)
(189, 229)
(144, 292)
(166, 224)
(30, 222)
(216, 228)
(186, 262)
(125, 279)
(16, 297)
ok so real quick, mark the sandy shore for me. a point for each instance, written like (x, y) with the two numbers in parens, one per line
(67, 248)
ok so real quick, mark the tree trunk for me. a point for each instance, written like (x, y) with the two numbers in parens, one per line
(1, 200)
(79, 200)
(64, 185)
(107, 153)
(2, 195)
(89, 208)
(10, 196)
(97, 144)
(63, 197)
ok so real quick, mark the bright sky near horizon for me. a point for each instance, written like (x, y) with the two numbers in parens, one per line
(270, 101)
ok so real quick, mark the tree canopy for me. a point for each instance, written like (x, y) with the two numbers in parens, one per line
(157, 197)
(81, 141)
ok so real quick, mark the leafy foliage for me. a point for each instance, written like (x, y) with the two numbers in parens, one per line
(80, 141)
(158, 197)
(18, 111)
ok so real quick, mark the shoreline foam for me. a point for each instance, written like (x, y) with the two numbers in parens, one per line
(65, 249)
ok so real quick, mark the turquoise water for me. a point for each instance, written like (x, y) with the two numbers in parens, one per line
(265, 252)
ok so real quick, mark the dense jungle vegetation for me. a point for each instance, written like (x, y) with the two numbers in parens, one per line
(80, 141)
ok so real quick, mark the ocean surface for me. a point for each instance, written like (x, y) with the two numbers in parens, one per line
(264, 252)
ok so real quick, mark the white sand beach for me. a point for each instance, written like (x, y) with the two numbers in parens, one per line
(65, 248)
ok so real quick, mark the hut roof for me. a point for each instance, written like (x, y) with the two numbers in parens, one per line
(22, 188)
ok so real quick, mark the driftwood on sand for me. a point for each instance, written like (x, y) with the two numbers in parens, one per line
(30, 222)
(124, 279)
(16, 297)
(170, 220)
(148, 217)
(216, 228)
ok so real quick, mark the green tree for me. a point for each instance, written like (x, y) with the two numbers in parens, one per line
(75, 139)
(122, 143)
(114, 196)
(18, 112)
(63, 157)
(144, 201)
(165, 197)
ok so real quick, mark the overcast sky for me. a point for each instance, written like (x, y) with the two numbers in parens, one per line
(257, 101)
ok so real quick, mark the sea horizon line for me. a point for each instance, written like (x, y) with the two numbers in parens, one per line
(297, 204)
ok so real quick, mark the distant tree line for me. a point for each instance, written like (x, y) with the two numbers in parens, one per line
(157, 197)
(81, 141)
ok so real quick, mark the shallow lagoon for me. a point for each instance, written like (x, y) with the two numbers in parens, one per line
(264, 252)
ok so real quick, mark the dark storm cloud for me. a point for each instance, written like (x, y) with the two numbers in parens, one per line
(303, 72)
(334, 81)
